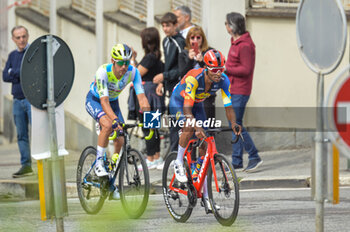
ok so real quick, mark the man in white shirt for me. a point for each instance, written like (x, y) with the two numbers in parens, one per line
(183, 14)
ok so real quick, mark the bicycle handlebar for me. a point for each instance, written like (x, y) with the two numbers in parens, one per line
(213, 131)
(128, 126)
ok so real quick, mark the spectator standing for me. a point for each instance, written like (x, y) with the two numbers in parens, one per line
(184, 16)
(21, 106)
(149, 66)
(173, 45)
(240, 69)
(192, 58)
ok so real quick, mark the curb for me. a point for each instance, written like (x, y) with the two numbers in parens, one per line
(20, 189)
(275, 182)
(28, 189)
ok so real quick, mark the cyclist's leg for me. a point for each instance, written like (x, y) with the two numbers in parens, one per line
(119, 141)
(94, 108)
(176, 109)
(205, 197)
(200, 114)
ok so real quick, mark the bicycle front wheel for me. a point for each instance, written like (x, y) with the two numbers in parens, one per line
(88, 184)
(174, 192)
(134, 183)
(223, 191)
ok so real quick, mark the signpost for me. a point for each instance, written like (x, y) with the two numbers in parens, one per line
(47, 74)
(321, 37)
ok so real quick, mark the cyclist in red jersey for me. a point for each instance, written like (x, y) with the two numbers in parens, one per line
(187, 99)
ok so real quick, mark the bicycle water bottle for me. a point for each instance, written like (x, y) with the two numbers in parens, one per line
(198, 167)
(193, 166)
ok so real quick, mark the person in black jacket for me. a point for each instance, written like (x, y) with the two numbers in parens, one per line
(173, 45)
(21, 106)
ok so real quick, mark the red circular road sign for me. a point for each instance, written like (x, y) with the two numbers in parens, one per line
(341, 111)
(337, 111)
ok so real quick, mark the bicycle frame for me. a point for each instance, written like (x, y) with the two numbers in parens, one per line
(208, 160)
(125, 148)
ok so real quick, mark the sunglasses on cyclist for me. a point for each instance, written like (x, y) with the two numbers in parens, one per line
(216, 69)
(122, 62)
(196, 37)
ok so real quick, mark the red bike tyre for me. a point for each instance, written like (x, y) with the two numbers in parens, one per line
(177, 204)
(225, 202)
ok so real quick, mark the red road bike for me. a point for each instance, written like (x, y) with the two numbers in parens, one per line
(222, 183)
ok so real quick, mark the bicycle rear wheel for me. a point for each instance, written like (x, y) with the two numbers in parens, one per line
(224, 197)
(175, 192)
(134, 183)
(88, 184)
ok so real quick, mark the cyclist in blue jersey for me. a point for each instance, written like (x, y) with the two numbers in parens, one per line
(102, 99)
(187, 99)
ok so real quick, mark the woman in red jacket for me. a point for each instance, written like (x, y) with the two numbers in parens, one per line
(240, 69)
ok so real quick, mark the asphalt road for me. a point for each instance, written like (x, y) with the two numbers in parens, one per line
(260, 210)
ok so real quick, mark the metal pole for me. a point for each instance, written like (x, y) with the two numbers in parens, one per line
(56, 176)
(150, 13)
(319, 179)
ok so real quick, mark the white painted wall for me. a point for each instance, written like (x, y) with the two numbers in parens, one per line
(281, 78)
(83, 46)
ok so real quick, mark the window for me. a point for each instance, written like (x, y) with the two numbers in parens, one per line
(42, 6)
(136, 8)
(86, 7)
(285, 3)
(194, 5)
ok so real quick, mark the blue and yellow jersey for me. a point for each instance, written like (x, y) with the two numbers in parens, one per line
(106, 83)
(191, 88)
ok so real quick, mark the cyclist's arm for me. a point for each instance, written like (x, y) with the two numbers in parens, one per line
(106, 106)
